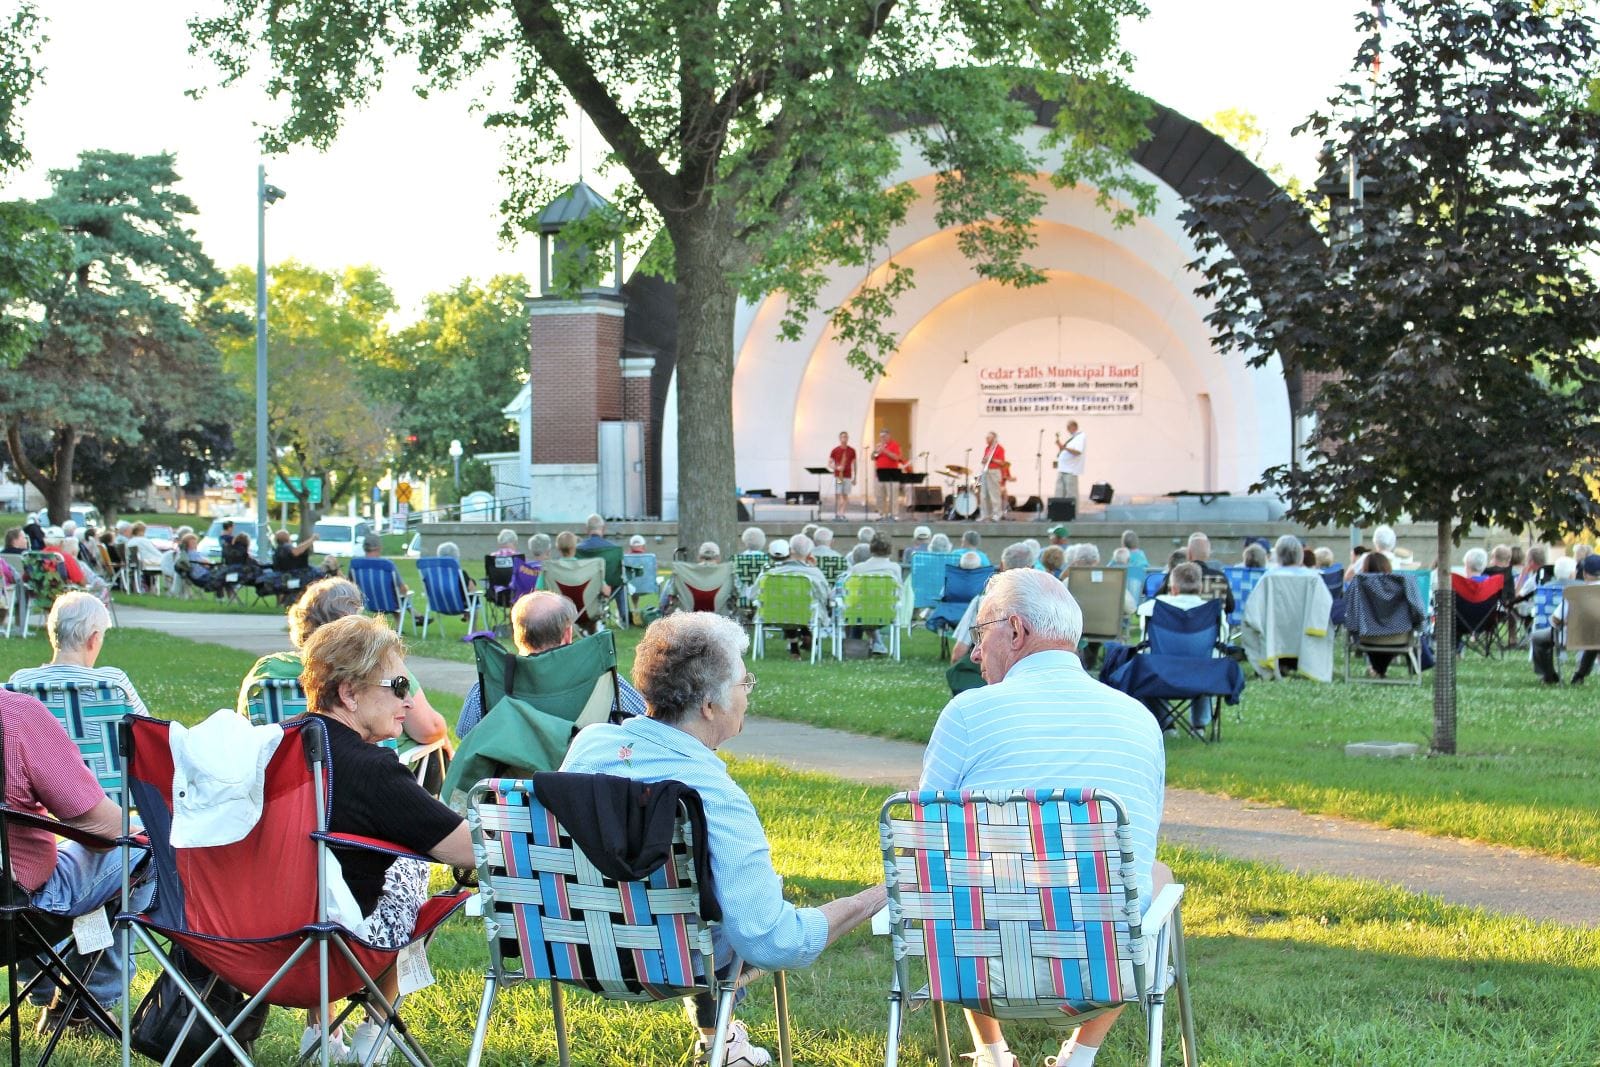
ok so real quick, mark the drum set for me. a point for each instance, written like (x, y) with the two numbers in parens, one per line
(961, 500)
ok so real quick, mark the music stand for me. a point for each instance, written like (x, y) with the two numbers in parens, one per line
(819, 472)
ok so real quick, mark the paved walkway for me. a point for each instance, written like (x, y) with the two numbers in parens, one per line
(1504, 880)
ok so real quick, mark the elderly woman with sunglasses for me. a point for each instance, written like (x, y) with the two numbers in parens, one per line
(356, 684)
(690, 669)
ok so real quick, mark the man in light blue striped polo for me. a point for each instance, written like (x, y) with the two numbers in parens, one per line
(1043, 722)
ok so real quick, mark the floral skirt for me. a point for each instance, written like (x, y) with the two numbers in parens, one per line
(393, 920)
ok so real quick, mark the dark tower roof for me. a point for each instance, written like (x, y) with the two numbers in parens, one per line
(579, 201)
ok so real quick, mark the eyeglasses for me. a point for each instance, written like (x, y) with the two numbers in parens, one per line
(400, 684)
(976, 632)
(748, 682)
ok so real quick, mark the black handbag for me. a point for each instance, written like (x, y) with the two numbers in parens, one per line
(160, 1016)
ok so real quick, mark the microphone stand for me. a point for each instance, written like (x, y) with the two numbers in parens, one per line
(1038, 466)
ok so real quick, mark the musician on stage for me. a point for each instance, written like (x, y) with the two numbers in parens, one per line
(1069, 461)
(995, 473)
(889, 460)
(842, 461)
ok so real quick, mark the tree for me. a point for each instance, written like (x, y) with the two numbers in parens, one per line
(117, 338)
(1454, 317)
(324, 417)
(755, 135)
(454, 370)
(1242, 129)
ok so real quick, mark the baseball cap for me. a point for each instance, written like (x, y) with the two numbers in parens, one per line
(1591, 565)
(636, 541)
(1059, 531)
(922, 533)
(778, 549)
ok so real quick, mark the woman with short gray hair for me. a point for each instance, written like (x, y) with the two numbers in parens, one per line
(1288, 552)
(939, 543)
(505, 543)
(690, 668)
(539, 546)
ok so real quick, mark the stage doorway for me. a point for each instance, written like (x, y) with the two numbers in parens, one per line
(896, 417)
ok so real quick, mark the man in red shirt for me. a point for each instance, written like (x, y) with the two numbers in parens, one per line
(842, 461)
(45, 775)
(993, 470)
(888, 458)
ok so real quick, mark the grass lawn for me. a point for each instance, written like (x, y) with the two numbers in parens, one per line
(1286, 970)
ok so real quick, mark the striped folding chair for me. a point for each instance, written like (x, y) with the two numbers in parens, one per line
(445, 584)
(549, 915)
(1023, 904)
(272, 700)
(379, 581)
(786, 600)
(89, 712)
(872, 601)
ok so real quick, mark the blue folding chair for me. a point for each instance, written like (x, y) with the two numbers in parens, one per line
(1153, 581)
(379, 580)
(1242, 580)
(1181, 661)
(960, 586)
(1333, 578)
(446, 588)
(927, 577)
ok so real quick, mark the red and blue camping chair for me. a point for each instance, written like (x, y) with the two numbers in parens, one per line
(1480, 612)
(1024, 904)
(549, 915)
(279, 947)
(379, 580)
(1180, 661)
(445, 586)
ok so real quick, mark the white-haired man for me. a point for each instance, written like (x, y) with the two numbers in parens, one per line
(1043, 722)
(824, 542)
(594, 540)
(77, 626)
(1383, 540)
(794, 557)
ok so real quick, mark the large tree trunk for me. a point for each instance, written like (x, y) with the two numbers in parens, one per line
(56, 486)
(1444, 647)
(707, 507)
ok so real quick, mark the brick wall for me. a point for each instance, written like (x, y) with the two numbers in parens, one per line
(577, 381)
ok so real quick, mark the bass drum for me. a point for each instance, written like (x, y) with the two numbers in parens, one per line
(964, 505)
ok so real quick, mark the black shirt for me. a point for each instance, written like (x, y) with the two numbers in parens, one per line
(235, 551)
(285, 558)
(375, 796)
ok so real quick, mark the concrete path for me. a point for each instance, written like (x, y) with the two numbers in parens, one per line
(1504, 880)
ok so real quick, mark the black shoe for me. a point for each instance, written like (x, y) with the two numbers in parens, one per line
(78, 1019)
(1555, 679)
(1577, 679)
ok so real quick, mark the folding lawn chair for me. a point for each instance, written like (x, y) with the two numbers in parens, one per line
(1480, 612)
(927, 577)
(498, 572)
(703, 587)
(1181, 661)
(832, 567)
(42, 582)
(1024, 904)
(960, 586)
(549, 915)
(639, 570)
(274, 700)
(1285, 619)
(579, 581)
(787, 600)
(748, 568)
(611, 557)
(1333, 578)
(280, 947)
(445, 587)
(1153, 581)
(1099, 591)
(1581, 633)
(533, 706)
(1242, 580)
(379, 580)
(41, 937)
(871, 601)
(1384, 616)
(11, 598)
(90, 713)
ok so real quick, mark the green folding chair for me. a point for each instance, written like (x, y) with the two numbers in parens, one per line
(614, 577)
(786, 600)
(872, 601)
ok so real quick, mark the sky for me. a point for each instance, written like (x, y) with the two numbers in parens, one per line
(413, 186)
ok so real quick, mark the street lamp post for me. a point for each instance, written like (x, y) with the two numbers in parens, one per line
(265, 194)
(455, 458)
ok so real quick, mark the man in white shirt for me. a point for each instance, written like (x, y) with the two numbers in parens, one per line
(77, 627)
(1069, 461)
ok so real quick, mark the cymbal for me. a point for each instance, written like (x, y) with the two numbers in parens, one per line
(952, 468)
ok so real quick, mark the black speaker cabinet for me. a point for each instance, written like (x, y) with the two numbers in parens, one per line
(1101, 492)
(1061, 509)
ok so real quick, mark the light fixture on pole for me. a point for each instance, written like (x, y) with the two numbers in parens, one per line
(455, 457)
(265, 194)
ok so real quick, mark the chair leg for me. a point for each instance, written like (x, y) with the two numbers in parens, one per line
(1156, 997)
(480, 1032)
(780, 997)
(941, 1032)
(719, 1044)
(559, 1013)
(1180, 957)
(891, 1055)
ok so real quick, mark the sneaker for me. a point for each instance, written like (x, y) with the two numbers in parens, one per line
(740, 1052)
(338, 1051)
(878, 648)
(362, 1042)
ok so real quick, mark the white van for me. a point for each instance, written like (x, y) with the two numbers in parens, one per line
(339, 536)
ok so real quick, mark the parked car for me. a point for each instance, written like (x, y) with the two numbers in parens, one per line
(86, 515)
(339, 536)
(163, 536)
(260, 546)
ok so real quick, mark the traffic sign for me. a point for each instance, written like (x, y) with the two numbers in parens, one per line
(239, 482)
(284, 491)
(402, 493)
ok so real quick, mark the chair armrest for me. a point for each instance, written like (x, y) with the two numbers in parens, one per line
(367, 844)
(1161, 908)
(60, 829)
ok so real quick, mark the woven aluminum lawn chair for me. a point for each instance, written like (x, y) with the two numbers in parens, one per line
(272, 700)
(1023, 904)
(549, 915)
(871, 601)
(787, 600)
(89, 712)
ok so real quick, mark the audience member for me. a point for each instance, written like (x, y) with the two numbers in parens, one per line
(1383, 540)
(753, 541)
(1199, 551)
(1543, 641)
(1354, 566)
(636, 545)
(879, 562)
(920, 538)
(1288, 556)
(1376, 563)
(541, 621)
(1043, 722)
(1015, 557)
(505, 543)
(970, 560)
(16, 542)
(594, 540)
(824, 542)
(566, 545)
(291, 561)
(1120, 556)
(451, 550)
(794, 557)
(77, 626)
(34, 528)
(1059, 535)
(710, 553)
(1136, 556)
(1474, 562)
(939, 543)
(540, 546)
(1323, 558)
(689, 668)
(1053, 560)
(1184, 586)
(235, 552)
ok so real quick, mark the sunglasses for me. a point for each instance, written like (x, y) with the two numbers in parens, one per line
(400, 684)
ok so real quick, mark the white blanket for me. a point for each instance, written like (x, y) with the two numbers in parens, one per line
(1288, 616)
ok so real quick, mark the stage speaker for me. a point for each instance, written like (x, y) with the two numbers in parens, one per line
(1100, 492)
(927, 498)
(1061, 509)
(744, 512)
